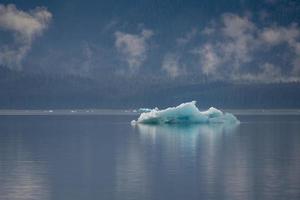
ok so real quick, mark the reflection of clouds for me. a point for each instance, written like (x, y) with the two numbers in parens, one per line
(20, 176)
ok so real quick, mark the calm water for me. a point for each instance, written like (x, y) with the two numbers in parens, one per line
(64, 157)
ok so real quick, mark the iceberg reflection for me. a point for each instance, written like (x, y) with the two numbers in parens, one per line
(186, 131)
(183, 141)
(190, 151)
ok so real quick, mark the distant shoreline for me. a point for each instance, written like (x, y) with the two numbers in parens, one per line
(21, 112)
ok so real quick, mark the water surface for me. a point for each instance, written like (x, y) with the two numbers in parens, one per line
(101, 156)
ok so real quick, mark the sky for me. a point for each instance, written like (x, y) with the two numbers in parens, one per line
(135, 44)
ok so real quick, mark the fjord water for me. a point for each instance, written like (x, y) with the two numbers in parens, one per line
(99, 156)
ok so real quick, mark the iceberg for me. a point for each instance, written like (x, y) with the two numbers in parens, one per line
(185, 113)
(142, 110)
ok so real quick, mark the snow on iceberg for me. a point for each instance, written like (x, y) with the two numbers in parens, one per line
(185, 113)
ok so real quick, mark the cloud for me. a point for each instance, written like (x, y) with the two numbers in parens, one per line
(84, 63)
(269, 73)
(172, 62)
(110, 26)
(239, 41)
(24, 28)
(171, 65)
(237, 49)
(133, 47)
(210, 60)
(296, 61)
(276, 35)
(290, 36)
(187, 37)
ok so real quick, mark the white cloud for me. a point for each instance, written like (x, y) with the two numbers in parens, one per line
(187, 37)
(24, 27)
(276, 35)
(133, 47)
(236, 26)
(172, 61)
(296, 61)
(235, 43)
(85, 63)
(208, 31)
(285, 35)
(268, 73)
(110, 26)
(231, 49)
(171, 65)
(239, 40)
(208, 58)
